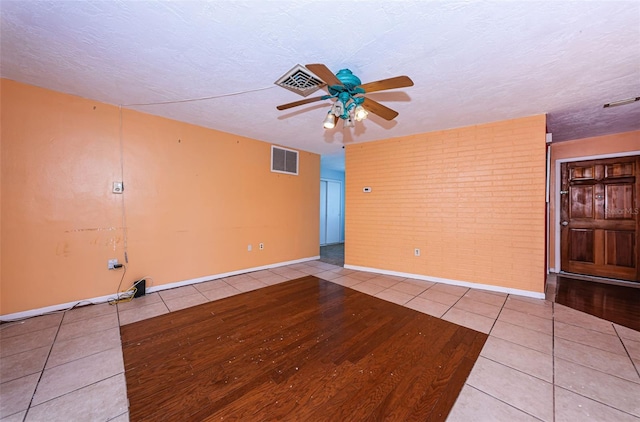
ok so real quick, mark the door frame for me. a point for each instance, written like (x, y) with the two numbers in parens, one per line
(558, 181)
(341, 222)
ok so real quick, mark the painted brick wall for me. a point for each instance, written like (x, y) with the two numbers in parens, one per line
(472, 199)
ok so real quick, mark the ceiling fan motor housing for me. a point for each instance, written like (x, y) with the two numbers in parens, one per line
(350, 84)
(346, 93)
(348, 79)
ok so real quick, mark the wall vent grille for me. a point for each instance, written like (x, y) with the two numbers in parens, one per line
(284, 160)
(300, 81)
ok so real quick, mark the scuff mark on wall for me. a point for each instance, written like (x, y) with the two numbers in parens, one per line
(113, 242)
(96, 229)
(63, 249)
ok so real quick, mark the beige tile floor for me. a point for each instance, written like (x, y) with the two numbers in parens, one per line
(542, 361)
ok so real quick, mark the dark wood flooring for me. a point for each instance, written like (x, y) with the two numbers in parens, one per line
(614, 303)
(303, 350)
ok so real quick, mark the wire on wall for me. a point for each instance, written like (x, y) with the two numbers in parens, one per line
(129, 293)
(121, 136)
(190, 100)
(124, 214)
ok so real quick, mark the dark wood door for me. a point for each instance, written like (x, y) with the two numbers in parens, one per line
(599, 218)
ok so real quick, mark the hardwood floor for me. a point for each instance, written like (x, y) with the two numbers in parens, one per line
(615, 303)
(303, 350)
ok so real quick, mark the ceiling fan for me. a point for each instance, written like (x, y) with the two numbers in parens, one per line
(349, 95)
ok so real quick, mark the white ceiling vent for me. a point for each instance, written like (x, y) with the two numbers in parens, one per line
(300, 81)
(284, 160)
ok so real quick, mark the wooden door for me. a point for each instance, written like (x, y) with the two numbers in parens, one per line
(599, 218)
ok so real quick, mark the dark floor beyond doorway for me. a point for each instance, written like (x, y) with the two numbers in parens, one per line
(333, 254)
(619, 304)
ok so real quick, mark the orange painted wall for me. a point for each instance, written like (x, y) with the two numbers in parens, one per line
(194, 199)
(601, 145)
(472, 199)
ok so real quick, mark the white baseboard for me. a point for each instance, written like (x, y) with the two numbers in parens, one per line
(55, 308)
(489, 287)
(229, 274)
(102, 299)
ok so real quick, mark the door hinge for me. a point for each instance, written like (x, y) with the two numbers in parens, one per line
(564, 192)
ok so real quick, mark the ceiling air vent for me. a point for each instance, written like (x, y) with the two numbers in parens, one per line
(284, 160)
(300, 81)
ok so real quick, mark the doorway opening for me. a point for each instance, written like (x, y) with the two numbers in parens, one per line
(330, 212)
(332, 200)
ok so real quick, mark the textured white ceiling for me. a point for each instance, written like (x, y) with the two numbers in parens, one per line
(472, 62)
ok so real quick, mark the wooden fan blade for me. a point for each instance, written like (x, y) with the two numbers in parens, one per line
(377, 108)
(301, 102)
(324, 73)
(391, 83)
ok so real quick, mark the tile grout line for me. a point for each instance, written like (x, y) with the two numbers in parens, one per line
(585, 366)
(504, 402)
(118, 318)
(597, 401)
(627, 351)
(77, 389)
(598, 370)
(553, 348)
(553, 358)
(515, 369)
(590, 345)
(43, 367)
(498, 316)
(454, 304)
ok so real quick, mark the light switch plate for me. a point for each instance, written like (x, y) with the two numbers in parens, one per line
(118, 187)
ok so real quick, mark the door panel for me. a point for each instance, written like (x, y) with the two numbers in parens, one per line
(582, 173)
(619, 246)
(581, 201)
(582, 245)
(619, 201)
(619, 170)
(599, 218)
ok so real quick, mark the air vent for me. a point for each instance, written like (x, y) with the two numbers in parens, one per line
(284, 160)
(300, 81)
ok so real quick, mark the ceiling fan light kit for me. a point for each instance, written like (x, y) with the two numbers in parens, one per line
(330, 121)
(348, 93)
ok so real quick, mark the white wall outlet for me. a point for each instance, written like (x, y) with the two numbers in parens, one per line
(416, 252)
(249, 247)
(261, 246)
(111, 264)
(118, 187)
